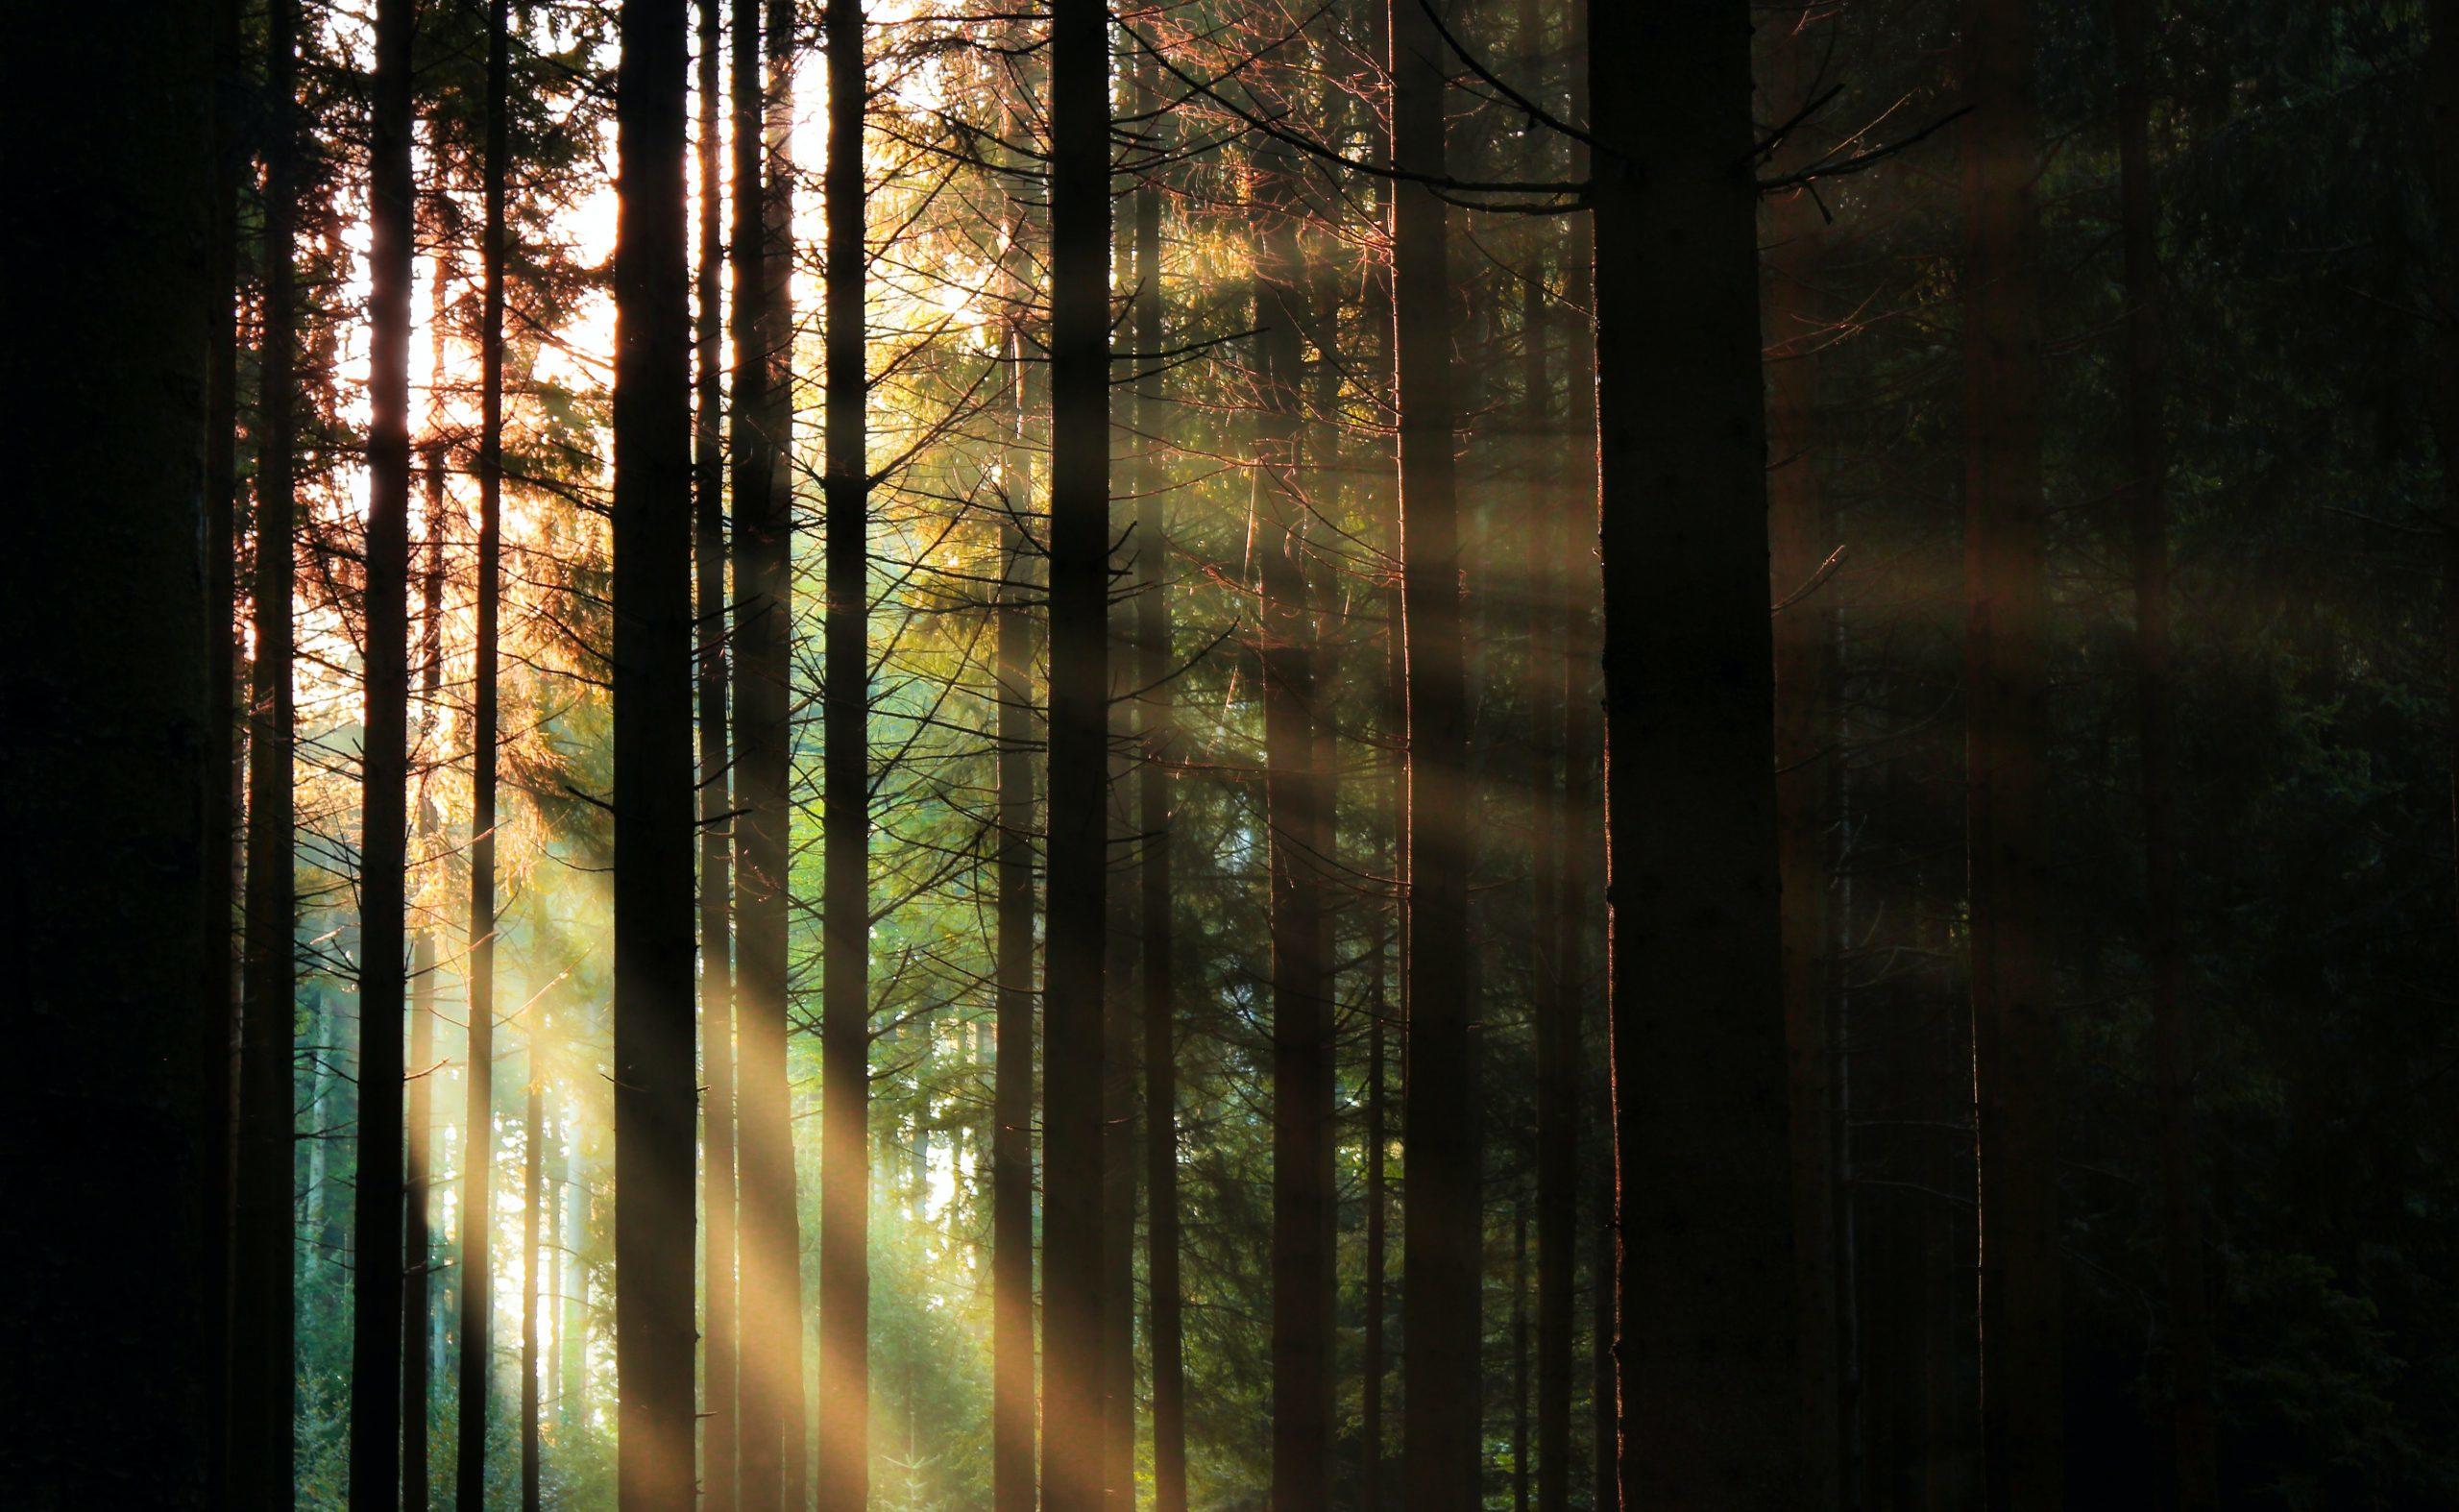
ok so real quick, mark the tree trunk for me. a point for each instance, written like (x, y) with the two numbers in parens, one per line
(1301, 1322)
(719, 1339)
(845, 1034)
(1073, 966)
(2196, 1437)
(479, 1156)
(107, 765)
(1165, 1331)
(1440, 1242)
(655, 1099)
(769, 1409)
(1011, 1153)
(1804, 628)
(533, 1131)
(263, 1386)
(1708, 1384)
(220, 965)
(418, 1273)
(375, 1327)
(2014, 1021)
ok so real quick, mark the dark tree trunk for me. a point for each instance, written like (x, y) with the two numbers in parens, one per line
(418, 1273)
(2196, 1436)
(220, 963)
(262, 1388)
(655, 1099)
(1165, 1331)
(1073, 966)
(770, 1414)
(106, 763)
(2014, 1021)
(533, 1131)
(845, 1031)
(1011, 1153)
(1302, 1124)
(720, 1346)
(1440, 1242)
(478, 1150)
(375, 1319)
(1709, 1385)
(1805, 635)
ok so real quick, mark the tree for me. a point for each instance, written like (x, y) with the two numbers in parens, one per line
(721, 1342)
(1708, 1377)
(109, 763)
(771, 1382)
(263, 1388)
(478, 1158)
(1442, 1239)
(2014, 1025)
(1073, 995)
(1302, 1319)
(1165, 1329)
(377, 1218)
(656, 1101)
(845, 1028)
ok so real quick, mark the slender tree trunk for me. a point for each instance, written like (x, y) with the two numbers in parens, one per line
(2014, 1021)
(1804, 630)
(1370, 1348)
(655, 1100)
(720, 1344)
(1011, 1153)
(1073, 967)
(1165, 1331)
(845, 1029)
(376, 1328)
(770, 1415)
(1707, 1378)
(220, 965)
(263, 1385)
(479, 1154)
(2164, 945)
(1301, 1323)
(1440, 1259)
(533, 1134)
(107, 763)
(418, 1273)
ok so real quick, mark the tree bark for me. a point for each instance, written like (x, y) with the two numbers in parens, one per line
(655, 1099)
(2014, 1021)
(1708, 1377)
(1165, 1331)
(845, 1257)
(106, 763)
(376, 1326)
(263, 1385)
(1441, 1240)
(1073, 969)
(719, 1339)
(2191, 1420)
(220, 1024)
